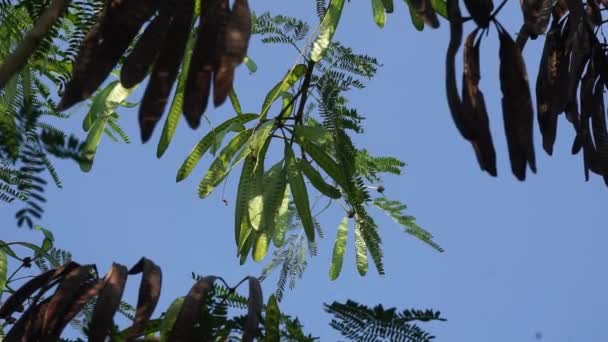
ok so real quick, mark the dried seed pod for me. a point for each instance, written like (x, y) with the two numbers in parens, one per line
(145, 52)
(165, 69)
(235, 40)
(517, 107)
(474, 108)
(203, 62)
(547, 86)
(119, 25)
(453, 97)
(536, 15)
(424, 9)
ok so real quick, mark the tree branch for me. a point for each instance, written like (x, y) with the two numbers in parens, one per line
(22, 53)
(305, 86)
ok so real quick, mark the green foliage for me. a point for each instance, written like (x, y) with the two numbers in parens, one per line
(314, 125)
(358, 322)
(29, 142)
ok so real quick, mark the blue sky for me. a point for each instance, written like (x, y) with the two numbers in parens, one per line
(521, 258)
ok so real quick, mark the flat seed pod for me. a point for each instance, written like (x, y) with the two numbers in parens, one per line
(203, 63)
(593, 12)
(62, 300)
(120, 24)
(474, 107)
(165, 70)
(581, 52)
(563, 68)
(480, 10)
(29, 325)
(254, 310)
(86, 293)
(536, 15)
(145, 52)
(16, 300)
(587, 104)
(89, 49)
(191, 310)
(149, 293)
(599, 163)
(424, 9)
(235, 42)
(547, 87)
(454, 101)
(107, 303)
(517, 107)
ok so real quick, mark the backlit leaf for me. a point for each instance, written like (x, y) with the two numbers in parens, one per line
(300, 194)
(328, 28)
(339, 250)
(199, 150)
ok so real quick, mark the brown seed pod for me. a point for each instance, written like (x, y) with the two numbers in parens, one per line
(453, 97)
(191, 310)
(165, 70)
(149, 293)
(145, 52)
(119, 25)
(203, 62)
(517, 107)
(536, 16)
(547, 86)
(107, 303)
(424, 9)
(474, 108)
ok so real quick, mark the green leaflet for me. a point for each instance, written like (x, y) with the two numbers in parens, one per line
(203, 145)
(300, 194)
(7, 249)
(317, 180)
(169, 319)
(97, 106)
(416, 19)
(290, 79)
(10, 135)
(275, 182)
(440, 7)
(241, 217)
(175, 110)
(256, 142)
(280, 222)
(219, 168)
(389, 7)
(256, 198)
(3, 271)
(379, 13)
(315, 134)
(327, 163)
(360, 250)
(260, 248)
(250, 64)
(288, 105)
(339, 250)
(102, 114)
(234, 100)
(49, 239)
(328, 28)
(272, 319)
(247, 244)
(219, 137)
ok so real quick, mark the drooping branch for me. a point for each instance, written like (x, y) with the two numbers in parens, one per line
(22, 53)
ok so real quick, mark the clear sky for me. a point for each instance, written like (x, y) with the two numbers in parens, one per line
(521, 258)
